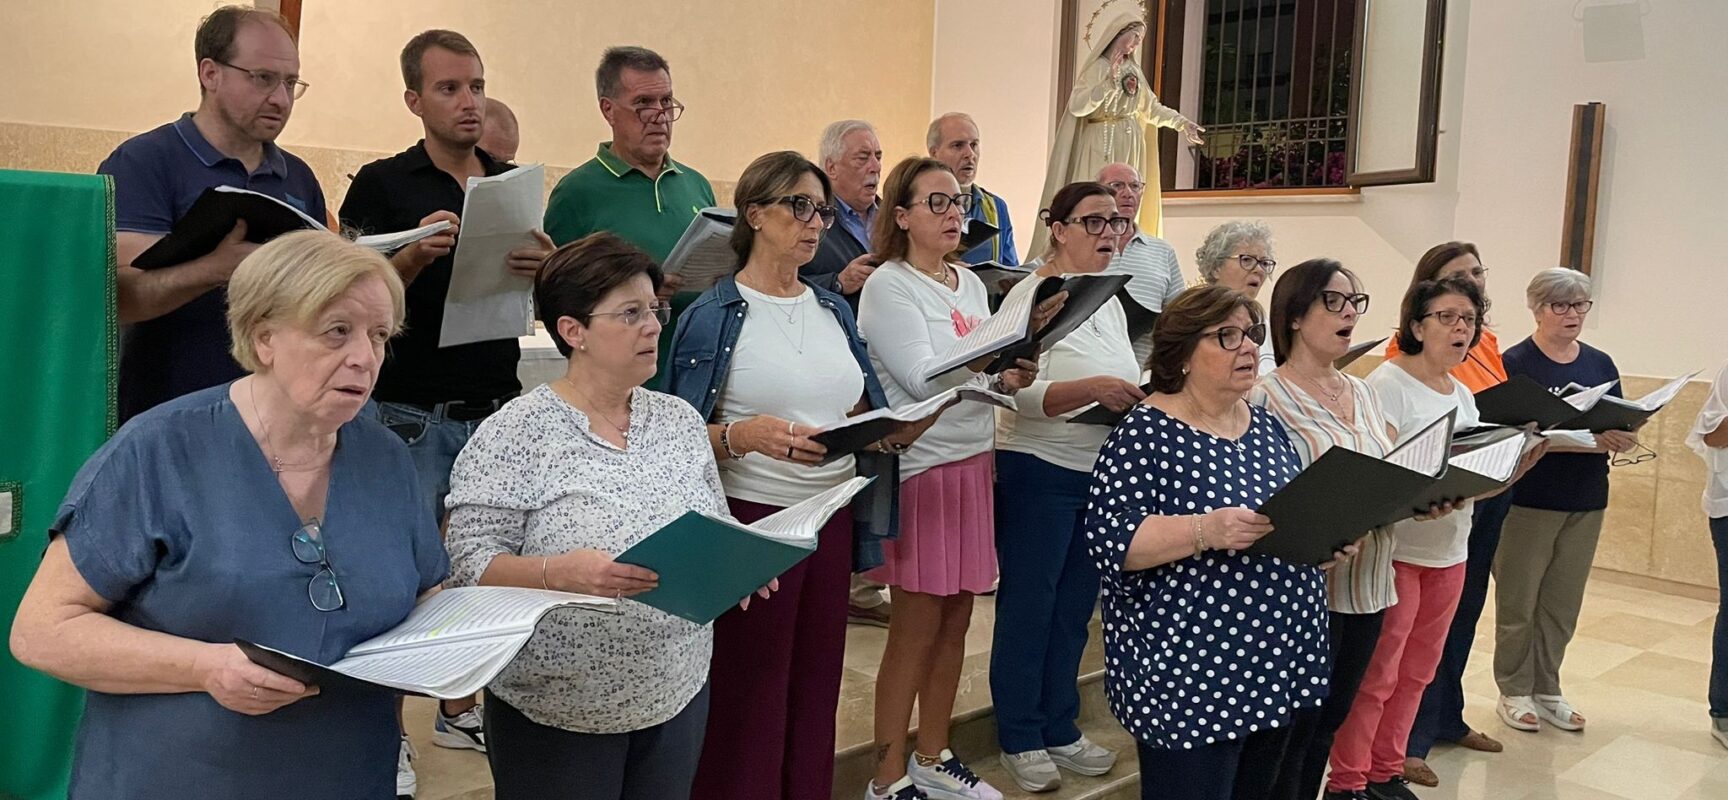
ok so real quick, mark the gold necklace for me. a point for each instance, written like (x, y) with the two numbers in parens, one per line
(1211, 423)
(939, 277)
(623, 430)
(277, 465)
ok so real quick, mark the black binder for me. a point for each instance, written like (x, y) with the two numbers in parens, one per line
(976, 233)
(213, 215)
(1521, 401)
(1086, 294)
(1100, 415)
(309, 672)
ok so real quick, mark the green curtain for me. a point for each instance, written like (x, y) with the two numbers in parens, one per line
(58, 350)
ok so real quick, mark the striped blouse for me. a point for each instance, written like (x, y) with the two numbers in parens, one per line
(1361, 584)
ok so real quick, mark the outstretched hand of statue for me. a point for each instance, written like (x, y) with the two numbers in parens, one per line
(1192, 131)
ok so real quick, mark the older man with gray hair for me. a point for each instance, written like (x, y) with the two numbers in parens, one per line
(852, 156)
(953, 140)
(1148, 260)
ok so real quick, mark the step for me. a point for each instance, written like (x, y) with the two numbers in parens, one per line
(1121, 783)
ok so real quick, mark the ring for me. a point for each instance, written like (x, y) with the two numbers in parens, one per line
(254, 693)
(789, 424)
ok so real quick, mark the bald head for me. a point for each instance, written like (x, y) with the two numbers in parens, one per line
(1124, 182)
(499, 135)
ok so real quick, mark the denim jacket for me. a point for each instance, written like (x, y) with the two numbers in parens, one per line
(702, 357)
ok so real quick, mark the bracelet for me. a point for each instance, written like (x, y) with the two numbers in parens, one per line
(726, 441)
(1200, 546)
(543, 583)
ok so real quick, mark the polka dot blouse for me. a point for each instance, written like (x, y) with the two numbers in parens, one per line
(1201, 650)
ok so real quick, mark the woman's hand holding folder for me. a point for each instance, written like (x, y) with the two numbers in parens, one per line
(772, 587)
(594, 572)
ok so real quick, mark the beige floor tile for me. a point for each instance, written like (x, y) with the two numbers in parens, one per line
(1630, 629)
(1638, 768)
(1662, 674)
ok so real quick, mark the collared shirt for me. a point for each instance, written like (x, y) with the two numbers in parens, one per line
(994, 210)
(394, 194)
(857, 224)
(157, 176)
(1156, 279)
(606, 194)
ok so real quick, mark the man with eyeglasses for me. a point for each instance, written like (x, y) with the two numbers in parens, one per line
(1148, 260)
(176, 335)
(953, 140)
(631, 186)
(435, 397)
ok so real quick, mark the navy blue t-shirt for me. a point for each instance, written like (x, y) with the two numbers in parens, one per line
(179, 522)
(1564, 481)
(157, 176)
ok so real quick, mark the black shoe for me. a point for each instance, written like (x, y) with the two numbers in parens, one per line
(1353, 794)
(1395, 789)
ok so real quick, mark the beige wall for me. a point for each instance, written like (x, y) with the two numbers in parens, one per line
(756, 76)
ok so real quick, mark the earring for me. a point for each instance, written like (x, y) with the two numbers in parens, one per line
(582, 347)
(1184, 370)
(755, 227)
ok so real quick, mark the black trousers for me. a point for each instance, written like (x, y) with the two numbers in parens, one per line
(1353, 637)
(531, 761)
(1242, 769)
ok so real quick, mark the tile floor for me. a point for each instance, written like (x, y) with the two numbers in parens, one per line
(1638, 668)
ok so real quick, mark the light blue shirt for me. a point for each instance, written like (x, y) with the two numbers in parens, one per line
(858, 224)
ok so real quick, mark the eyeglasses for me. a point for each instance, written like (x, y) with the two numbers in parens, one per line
(265, 81)
(1095, 225)
(308, 545)
(1250, 263)
(803, 208)
(1134, 186)
(1475, 272)
(1231, 337)
(635, 315)
(671, 110)
(1334, 301)
(1634, 457)
(1581, 306)
(1450, 318)
(939, 202)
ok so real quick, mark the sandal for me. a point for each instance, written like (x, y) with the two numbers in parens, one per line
(1418, 772)
(1519, 713)
(1554, 710)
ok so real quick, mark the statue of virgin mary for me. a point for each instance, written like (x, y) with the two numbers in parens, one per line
(1109, 115)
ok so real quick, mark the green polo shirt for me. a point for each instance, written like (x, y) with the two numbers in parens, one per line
(606, 194)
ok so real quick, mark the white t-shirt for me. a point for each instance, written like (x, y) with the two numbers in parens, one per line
(909, 320)
(792, 361)
(1410, 406)
(1713, 413)
(1100, 346)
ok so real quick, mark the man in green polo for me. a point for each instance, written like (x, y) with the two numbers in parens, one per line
(631, 186)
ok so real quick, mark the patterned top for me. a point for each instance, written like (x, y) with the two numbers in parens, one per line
(535, 481)
(1363, 583)
(1209, 649)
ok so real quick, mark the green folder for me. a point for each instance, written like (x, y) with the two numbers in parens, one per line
(707, 564)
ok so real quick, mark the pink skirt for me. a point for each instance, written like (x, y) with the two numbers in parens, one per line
(947, 542)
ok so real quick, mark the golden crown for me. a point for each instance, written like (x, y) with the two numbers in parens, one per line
(1100, 10)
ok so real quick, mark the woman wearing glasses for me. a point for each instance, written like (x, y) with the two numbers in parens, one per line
(1049, 585)
(768, 359)
(1315, 308)
(269, 509)
(1556, 517)
(1210, 652)
(1439, 322)
(1238, 255)
(555, 485)
(911, 310)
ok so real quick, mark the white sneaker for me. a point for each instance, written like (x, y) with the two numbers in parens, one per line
(899, 790)
(949, 779)
(406, 785)
(465, 731)
(1032, 770)
(1084, 757)
(1719, 729)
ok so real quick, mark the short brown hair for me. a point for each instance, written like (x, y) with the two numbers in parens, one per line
(1439, 256)
(576, 277)
(888, 240)
(1177, 331)
(767, 179)
(414, 53)
(216, 32)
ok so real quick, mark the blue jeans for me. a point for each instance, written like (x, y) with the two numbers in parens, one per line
(433, 443)
(1044, 602)
(1441, 717)
(1719, 650)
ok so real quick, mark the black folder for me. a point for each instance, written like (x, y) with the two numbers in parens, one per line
(1336, 500)
(1086, 294)
(309, 672)
(1521, 401)
(1457, 482)
(976, 233)
(1101, 415)
(848, 439)
(213, 215)
(1140, 318)
(1356, 351)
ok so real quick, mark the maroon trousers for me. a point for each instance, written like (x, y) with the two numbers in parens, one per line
(775, 679)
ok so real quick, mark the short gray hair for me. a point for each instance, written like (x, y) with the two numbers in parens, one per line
(1225, 238)
(617, 59)
(933, 136)
(833, 144)
(1556, 285)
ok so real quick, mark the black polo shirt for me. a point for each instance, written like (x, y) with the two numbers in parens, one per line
(394, 194)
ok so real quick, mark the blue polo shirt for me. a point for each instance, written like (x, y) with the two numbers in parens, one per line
(157, 176)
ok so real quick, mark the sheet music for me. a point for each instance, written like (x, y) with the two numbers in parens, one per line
(1425, 452)
(979, 391)
(1008, 325)
(388, 243)
(435, 668)
(474, 611)
(486, 300)
(801, 522)
(1498, 460)
(1663, 395)
(1584, 399)
(703, 254)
